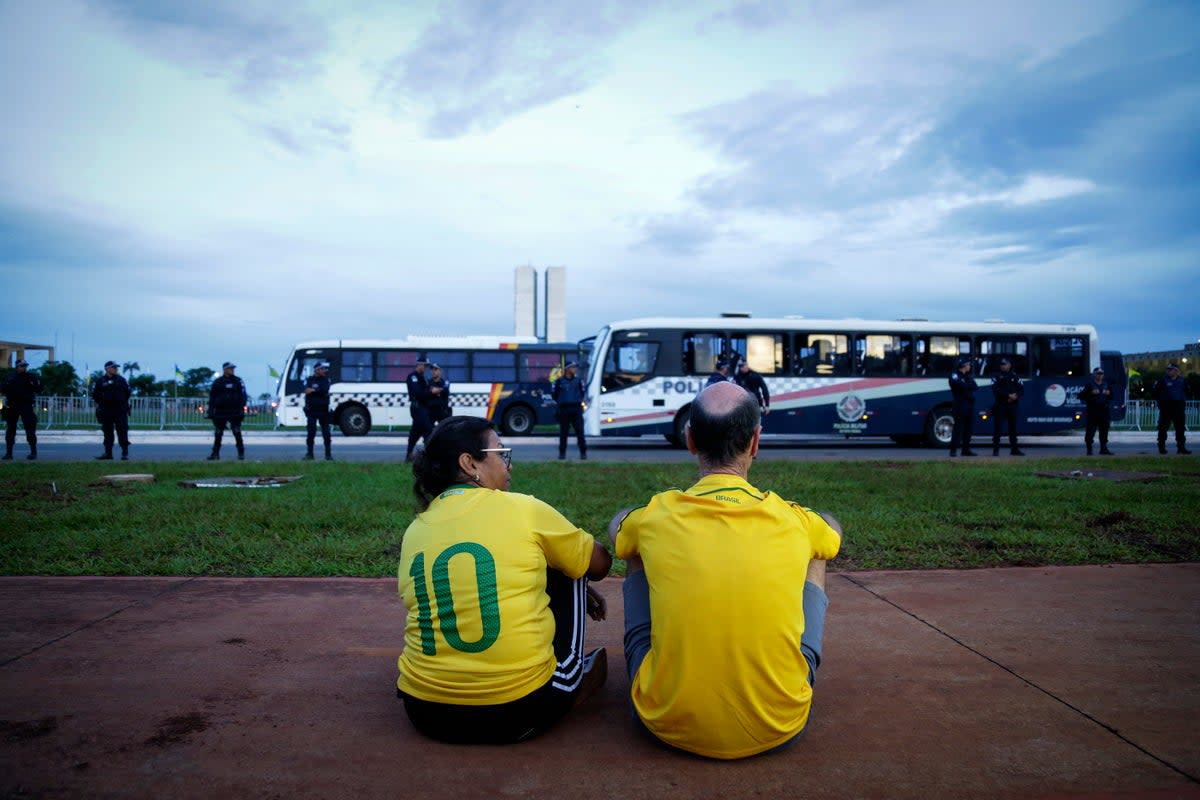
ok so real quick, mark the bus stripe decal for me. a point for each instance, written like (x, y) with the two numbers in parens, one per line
(493, 398)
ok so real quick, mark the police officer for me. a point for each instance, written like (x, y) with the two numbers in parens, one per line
(1172, 403)
(20, 388)
(753, 383)
(418, 404)
(963, 388)
(439, 395)
(111, 394)
(227, 405)
(567, 392)
(1096, 397)
(721, 373)
(1006, 395)
(316, 408)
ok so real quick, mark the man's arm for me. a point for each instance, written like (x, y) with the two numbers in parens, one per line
(600, 564)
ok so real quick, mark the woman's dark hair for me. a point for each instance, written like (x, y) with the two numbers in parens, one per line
(435, 467)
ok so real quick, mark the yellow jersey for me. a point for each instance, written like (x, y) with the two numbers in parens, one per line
(726, 566)
(472, 575)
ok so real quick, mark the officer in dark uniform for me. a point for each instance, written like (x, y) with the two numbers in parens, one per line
(418, 404)
(111, 396)
(1096, 397)
(753, 383)
(721, 373)
(316, 408)
(227, 405)
(963, 388)
(1172, 406)
(439, 396)
(20, 389)
(567, 392)
(1006, 394)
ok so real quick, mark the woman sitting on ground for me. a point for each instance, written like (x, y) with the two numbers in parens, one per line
(495, 585)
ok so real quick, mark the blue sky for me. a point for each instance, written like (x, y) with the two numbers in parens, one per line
(194, 182)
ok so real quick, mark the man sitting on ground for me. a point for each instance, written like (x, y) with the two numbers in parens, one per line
(731, 580)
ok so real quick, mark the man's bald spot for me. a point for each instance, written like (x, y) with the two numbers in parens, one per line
(721, 399)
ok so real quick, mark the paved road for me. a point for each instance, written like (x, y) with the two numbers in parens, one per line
(289, 446)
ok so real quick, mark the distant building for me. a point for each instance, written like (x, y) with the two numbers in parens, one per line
(549, 309)
(11, 351)
(1188, 359)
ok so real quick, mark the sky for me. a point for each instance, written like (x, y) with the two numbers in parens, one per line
(189, 183)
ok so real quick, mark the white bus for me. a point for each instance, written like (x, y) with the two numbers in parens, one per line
(503, 378)
(845, 377)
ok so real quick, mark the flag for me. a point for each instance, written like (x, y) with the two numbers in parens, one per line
(274, 373)
(178, 372)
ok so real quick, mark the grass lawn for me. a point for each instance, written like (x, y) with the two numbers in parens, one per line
(348, 519)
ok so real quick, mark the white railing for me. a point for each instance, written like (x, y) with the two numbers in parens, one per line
(1142, 415)
(144, 412)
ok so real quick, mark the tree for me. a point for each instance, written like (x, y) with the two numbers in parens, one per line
(144, 385)
(196, 381)
(59, 379)
(130, 367)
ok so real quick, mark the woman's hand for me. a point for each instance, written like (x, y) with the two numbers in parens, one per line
(597, 606)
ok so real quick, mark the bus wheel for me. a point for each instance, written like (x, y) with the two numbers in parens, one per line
(939, 429)
(677, 436)
(354, 421)
(518, 420)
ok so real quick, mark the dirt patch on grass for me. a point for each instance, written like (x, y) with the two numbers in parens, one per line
(1138, 531)
(1105, 474)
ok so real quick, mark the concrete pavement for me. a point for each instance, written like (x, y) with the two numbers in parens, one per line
(1005, 683)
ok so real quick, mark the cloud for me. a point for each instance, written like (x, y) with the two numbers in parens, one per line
(485, 61)
(255, 46)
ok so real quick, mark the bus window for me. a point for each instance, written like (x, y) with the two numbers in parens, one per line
(883, 354)
(536, 367)
(824, 354)
(628, 363)
(453, 364)
(394, 366)
(303, 365)
(766, 353)
(993, 348)
(701, 351)
(498, 367)
(937, 356)
(1062, 356)
(356, 366)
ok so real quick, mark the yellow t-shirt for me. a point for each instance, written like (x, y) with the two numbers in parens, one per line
(473, 578)
(726, 565)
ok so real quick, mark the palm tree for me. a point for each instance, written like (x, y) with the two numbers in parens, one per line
(130, 367)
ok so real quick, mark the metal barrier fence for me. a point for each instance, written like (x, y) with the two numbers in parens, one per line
(145, 413)
(164, 413)
(1142, 415)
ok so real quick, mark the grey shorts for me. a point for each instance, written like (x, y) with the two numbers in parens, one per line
(636, 593)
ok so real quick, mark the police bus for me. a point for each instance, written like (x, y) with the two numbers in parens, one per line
(505, 379)
(843, 377)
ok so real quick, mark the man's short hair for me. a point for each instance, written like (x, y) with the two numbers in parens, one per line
(721, 432)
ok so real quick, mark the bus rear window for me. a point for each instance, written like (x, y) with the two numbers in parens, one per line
(1060, 356)
(629, 363)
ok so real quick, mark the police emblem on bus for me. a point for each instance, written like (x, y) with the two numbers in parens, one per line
(1056, 395)
(851, 408)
